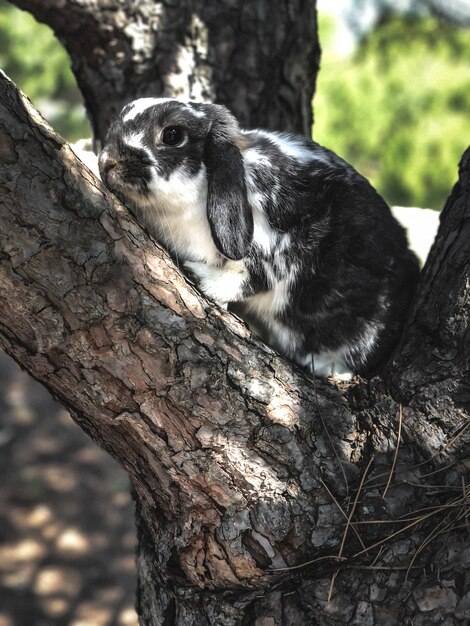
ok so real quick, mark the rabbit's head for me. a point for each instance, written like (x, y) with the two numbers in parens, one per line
(171, 158)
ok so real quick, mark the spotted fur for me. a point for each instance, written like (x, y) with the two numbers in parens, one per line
(278, 228)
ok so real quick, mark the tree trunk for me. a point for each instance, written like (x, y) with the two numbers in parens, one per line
(258, 57)
(263, 498)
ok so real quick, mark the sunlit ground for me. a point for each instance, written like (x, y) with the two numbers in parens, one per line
(67, 536)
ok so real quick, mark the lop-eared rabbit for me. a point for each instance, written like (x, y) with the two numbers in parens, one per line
(278, 228)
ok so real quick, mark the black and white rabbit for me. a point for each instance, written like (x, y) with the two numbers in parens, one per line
(282, 230)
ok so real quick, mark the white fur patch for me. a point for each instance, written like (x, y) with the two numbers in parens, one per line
(263, 234)
(328, 364)
(267, 304)
(253, 156)
(293, 147)
(196, 112)
(179, 191)
(284, 339)
(177, 214)
(334, 362)
(135, 140)
(142, 104)
(222, 284)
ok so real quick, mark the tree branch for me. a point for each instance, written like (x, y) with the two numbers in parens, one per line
(431, 368)
(156, 374)
(238, 460)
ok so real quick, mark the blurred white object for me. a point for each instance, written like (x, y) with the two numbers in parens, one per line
(83, 148)
(421, 227)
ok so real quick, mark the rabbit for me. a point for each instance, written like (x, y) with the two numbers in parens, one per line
(280, 230)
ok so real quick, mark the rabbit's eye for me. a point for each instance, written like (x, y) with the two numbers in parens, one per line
(173, 136)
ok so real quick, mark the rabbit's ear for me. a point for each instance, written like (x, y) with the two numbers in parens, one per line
(229, 214)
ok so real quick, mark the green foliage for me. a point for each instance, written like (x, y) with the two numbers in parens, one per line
(32, 57)
(399, 108)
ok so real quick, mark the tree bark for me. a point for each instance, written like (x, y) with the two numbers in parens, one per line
(256, 56)
(260, 493)
(434, 353)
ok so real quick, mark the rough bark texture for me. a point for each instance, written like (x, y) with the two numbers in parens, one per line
(255, 56)
(241, 466)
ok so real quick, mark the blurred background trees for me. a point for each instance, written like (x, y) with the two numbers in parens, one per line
(32, 56)
(397, 106)
(393, 96)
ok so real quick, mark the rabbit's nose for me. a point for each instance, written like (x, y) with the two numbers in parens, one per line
(108, 171)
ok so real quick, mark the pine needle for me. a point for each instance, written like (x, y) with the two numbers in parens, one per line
(331, 557)
(342, 511)
(392, 470)
(348, 524)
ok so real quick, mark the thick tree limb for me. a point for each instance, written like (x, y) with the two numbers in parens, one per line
(101, 316)
(240, 465)
(431, 369)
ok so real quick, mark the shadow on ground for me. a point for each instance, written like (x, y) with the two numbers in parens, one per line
(67, 536)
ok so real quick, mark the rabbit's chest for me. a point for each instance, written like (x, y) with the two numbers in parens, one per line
(190, 238)
(186, 233)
